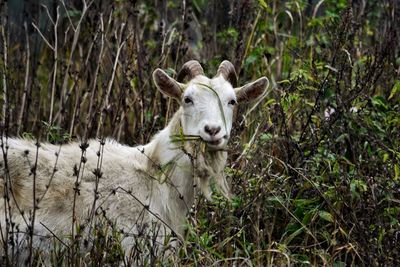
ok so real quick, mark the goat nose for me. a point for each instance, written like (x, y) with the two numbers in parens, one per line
(213, 130)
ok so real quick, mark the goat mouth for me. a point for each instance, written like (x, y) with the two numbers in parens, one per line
(214, 142)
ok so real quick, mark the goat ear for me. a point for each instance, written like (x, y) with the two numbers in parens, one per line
(252, 91)
(167, 85)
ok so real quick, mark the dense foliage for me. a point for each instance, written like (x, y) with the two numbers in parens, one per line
(315, 166)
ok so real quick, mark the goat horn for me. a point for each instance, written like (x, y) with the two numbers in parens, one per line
(227, 70)
(191, 68)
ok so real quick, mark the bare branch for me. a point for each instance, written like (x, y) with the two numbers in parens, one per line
(77, 32)
(44, 38)
(53, 87)
(5, 60)
(110, 84)
(27, 63)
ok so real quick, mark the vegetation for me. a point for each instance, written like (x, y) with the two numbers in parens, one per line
(315, 166)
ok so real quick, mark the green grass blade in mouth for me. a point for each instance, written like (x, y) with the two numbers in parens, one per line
(181, 137)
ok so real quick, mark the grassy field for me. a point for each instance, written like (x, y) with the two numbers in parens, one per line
(315, 166)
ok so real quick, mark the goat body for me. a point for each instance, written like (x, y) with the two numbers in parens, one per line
(122, 183)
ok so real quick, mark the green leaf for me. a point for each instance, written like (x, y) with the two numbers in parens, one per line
(396, 172)
(283, 82)
(263, 4)
(357, 186)
(265, 137)
(379, 102)
(385, 157)
(293, 235)
(74, 13)
(250, 59)
(339, 264)
(326, 216)
(395, 89)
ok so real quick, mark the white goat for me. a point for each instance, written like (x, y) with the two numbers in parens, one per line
(150, 183)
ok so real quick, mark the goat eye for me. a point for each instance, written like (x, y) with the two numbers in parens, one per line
(232, 102)
(188, 100)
